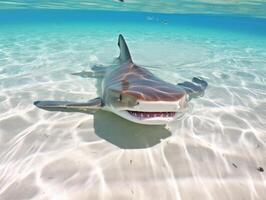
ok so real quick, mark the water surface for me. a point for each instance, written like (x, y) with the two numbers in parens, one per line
(241, 7)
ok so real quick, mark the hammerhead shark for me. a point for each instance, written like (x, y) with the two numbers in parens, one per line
(135, 94)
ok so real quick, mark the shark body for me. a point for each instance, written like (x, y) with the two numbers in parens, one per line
(134, 93)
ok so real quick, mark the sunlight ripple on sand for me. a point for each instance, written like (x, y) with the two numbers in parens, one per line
(214, 152)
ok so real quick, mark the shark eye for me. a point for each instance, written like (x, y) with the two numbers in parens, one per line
(120, 98)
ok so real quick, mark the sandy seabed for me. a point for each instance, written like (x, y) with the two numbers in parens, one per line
(216, 151)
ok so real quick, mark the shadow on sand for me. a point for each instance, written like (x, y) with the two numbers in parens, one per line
(123, 133)
(126, 134)
(114, 129)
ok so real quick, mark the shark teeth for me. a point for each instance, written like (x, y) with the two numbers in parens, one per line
(149, 115)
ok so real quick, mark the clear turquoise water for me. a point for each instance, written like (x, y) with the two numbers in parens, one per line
(46, 155)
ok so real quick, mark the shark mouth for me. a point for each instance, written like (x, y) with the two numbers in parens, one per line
(151, 115)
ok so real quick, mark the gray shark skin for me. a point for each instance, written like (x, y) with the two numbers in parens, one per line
(134, 93)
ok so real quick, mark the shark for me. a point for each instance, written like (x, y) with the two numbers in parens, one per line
(135, 94)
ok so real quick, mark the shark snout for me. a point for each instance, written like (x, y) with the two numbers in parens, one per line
(161, 105)
(154, 112)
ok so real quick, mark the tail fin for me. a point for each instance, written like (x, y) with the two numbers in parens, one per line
(124, 52)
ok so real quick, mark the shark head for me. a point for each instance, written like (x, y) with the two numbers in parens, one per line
(137, 95)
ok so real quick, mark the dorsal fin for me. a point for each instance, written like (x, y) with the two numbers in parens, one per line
(124, 52)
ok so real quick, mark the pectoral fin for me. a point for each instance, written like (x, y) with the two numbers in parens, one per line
(97, 71)
(68, 106)
(195, 88)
